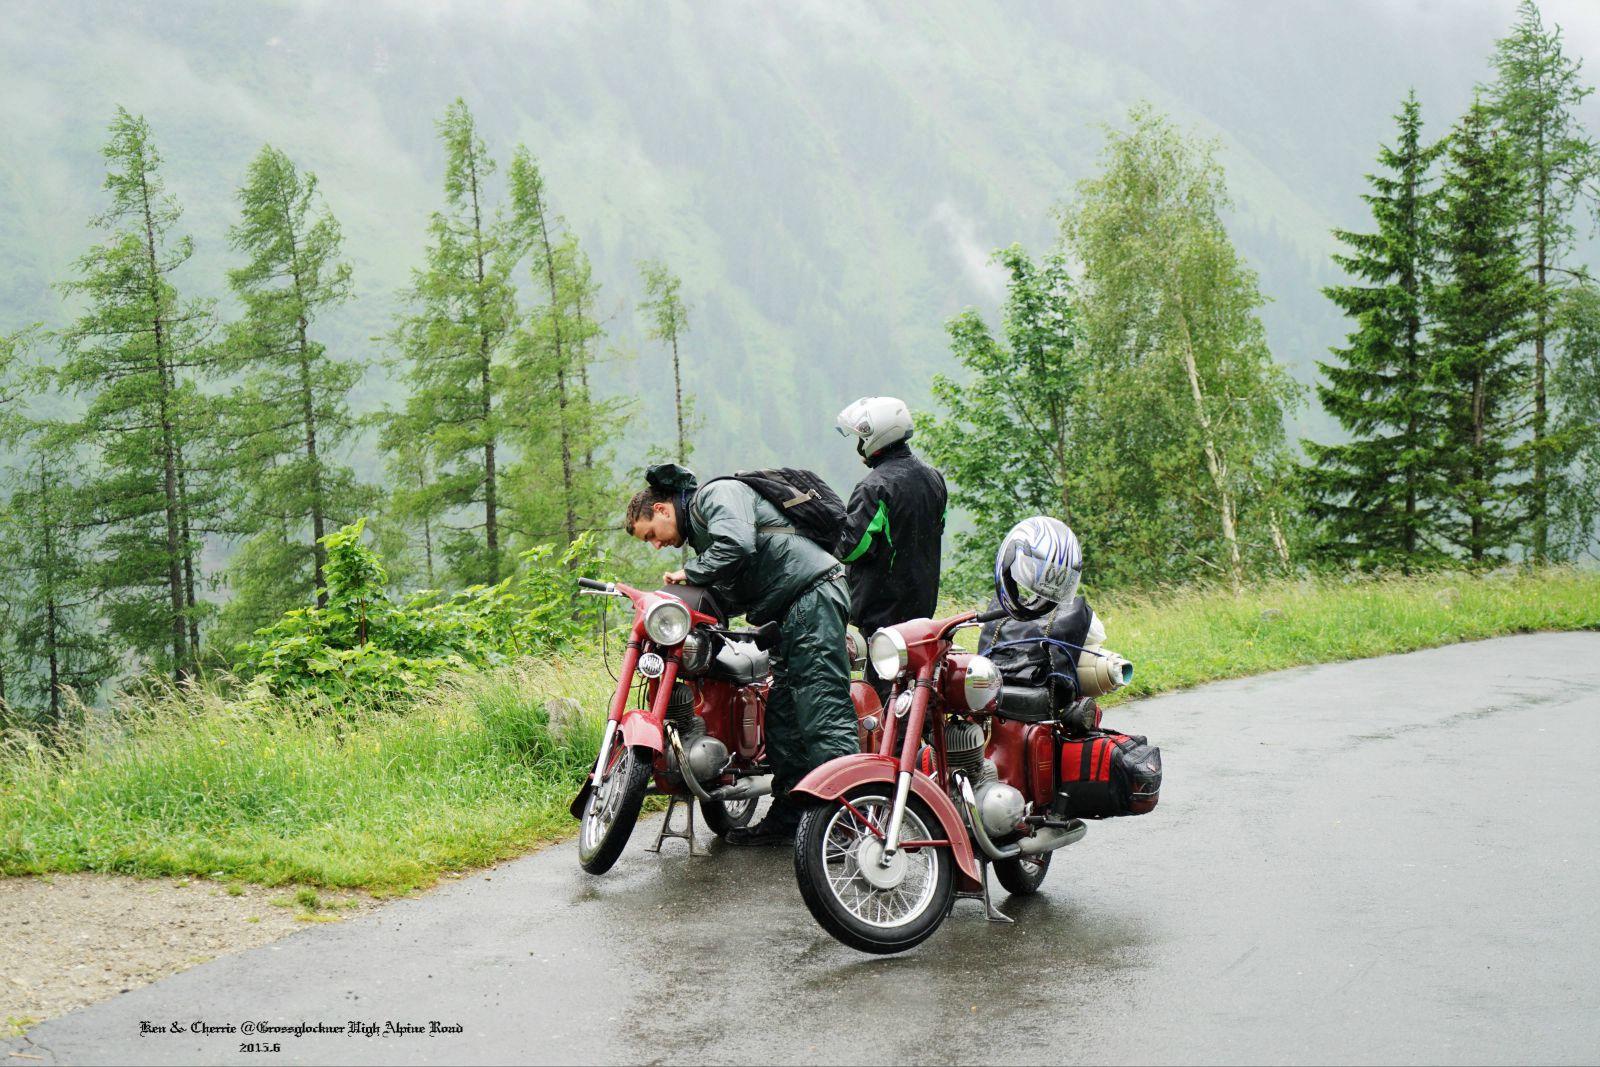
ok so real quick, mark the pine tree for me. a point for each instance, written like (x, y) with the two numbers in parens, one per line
(1535, 97)
(1371, 495)
(1484, 313)
(558, 423)
(56, 637)
(462, 309)
(290, 416)
(136, 352)
(669, 321)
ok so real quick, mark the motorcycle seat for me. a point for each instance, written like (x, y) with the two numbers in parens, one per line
(1026, 703)
(741, 662)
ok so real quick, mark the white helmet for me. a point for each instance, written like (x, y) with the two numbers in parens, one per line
(876, 422)
(1037, 568)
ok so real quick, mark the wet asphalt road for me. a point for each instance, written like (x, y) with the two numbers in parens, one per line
(1385, 861)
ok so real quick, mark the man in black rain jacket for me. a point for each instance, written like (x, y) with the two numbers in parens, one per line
(894, 528)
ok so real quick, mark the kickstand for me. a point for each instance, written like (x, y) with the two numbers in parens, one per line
(686, 834)
(992, 913)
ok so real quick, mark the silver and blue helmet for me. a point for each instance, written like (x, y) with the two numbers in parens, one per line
(1038, 566)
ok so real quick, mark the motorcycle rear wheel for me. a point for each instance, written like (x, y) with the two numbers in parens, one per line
(1022, 876)
(828, 850)
(613, 808)
(722, 816)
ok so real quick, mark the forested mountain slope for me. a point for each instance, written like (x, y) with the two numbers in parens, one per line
(827, 178)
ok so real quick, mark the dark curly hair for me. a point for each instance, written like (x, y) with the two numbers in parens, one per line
(639, 507)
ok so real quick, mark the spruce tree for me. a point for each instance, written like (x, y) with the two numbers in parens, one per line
(1371, 496)
(290, 416)
(135, 353)
(1535, 98)
(462, 308)
(56, 636)
(1484, 308)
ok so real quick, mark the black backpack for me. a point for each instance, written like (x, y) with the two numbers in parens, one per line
(802, 497)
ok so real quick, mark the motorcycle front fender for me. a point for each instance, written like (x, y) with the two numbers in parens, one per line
(838, 776)
(639, 728)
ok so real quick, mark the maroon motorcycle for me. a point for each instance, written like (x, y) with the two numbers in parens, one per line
(968, 774)
(686, 721)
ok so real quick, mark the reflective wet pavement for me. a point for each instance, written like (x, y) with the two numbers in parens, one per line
(1383, 861)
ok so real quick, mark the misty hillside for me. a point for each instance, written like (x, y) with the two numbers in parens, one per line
(828, 178)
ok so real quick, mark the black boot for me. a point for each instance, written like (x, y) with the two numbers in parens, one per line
(777, 828)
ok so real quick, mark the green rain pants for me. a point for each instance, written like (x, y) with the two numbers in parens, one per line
(810, 719)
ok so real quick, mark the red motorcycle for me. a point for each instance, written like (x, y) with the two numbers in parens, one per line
(967, 774)
(686, 721)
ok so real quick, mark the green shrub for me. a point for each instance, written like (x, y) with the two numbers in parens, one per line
(362, 646)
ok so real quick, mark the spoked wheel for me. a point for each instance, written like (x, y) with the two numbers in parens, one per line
(868, 906)
(724, 815)
(613, 808)
(1022, 876)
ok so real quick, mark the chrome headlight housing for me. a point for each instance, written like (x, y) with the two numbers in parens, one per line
(667, 622)
(981, 683)
(888, 652)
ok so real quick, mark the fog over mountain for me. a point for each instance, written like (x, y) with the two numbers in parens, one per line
(827, 177)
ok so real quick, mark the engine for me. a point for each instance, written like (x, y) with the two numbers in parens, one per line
(999, 806)
(705, 755)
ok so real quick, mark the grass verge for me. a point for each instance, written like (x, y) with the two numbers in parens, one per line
(1184, 640)
(196, 784)
(477, 772)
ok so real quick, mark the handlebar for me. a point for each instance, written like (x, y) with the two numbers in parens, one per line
(594, 585)
(991, 615)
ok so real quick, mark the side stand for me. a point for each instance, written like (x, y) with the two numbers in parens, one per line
(992, 913)
(685, 834)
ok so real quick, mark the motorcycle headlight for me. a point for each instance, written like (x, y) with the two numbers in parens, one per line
(888, 653)
(667, 622)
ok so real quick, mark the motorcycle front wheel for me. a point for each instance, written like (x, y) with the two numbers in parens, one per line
(724, 815)
(613, 808)
(851, 894)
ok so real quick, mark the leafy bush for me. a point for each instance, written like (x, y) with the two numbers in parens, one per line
(364, 646)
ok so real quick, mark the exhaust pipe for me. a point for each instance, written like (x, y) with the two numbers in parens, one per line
(758, 785)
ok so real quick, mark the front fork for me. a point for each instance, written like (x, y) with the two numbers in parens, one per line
(605, 753)
(909, 745)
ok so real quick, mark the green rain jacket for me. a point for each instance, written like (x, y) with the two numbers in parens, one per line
(746, 552)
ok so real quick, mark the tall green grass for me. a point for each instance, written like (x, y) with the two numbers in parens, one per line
(203, 782)
(199, 784)
(1185, 639)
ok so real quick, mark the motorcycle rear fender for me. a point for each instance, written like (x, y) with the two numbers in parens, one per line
(838, 776)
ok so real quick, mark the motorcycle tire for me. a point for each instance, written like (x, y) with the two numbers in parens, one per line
(601, 842)
(722, 816)
(866, 922)
(1021, 877)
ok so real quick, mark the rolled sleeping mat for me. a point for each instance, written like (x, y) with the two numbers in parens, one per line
(1101, 671)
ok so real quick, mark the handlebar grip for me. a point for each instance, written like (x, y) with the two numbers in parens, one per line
(595, 584)
(991, 615)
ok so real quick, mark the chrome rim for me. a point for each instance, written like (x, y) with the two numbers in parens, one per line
(739, 810)
(605, 801)
(842, 847)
